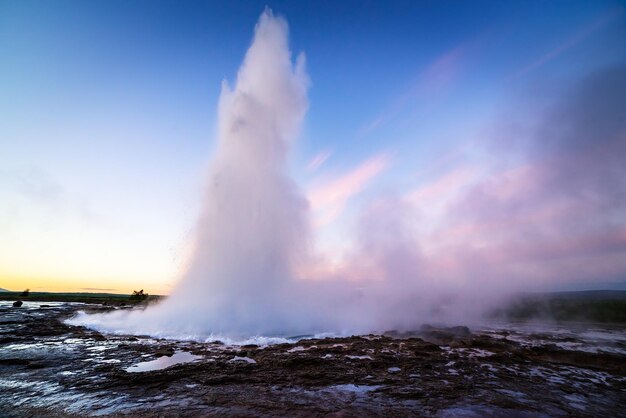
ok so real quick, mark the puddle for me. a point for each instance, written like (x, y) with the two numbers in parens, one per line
(163, 362)
(360, 357)
(244, 359)
(355, 388)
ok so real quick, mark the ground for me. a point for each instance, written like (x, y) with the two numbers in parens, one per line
(48, 368)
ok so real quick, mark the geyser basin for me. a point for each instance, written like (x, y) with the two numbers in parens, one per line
(51, 369)
(163, 362)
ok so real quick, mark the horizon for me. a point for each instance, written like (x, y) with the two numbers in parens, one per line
(546, 292)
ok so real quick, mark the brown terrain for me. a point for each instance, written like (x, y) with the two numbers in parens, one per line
(48, 368)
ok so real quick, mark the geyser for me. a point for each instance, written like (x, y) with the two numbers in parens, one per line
(253, 228)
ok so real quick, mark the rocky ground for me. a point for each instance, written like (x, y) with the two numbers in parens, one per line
(48, 368)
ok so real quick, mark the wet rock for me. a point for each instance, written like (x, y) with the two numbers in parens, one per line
(14, 362)
(459, 331)
(98, 308)
(484, 343)
(599, 361)
(72, 367)
(98, 337)
(8, 340)
(17, 303)
(36, 365)
(425, 347)
(443, 335)
(249, 347)
(165, 351)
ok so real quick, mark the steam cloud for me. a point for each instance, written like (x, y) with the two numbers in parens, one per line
(558, 209)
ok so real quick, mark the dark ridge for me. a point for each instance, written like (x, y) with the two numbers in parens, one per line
(596, 306)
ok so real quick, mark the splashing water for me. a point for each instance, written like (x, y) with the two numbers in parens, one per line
(253, 228)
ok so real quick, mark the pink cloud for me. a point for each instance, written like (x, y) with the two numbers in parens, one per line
(317, 161)
(543, 211)
(571, 42)
(330, 199)
(443, 186)
(548, 211)
(431, 81)
(443, 71)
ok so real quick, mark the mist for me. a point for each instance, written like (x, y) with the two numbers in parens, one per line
(254, 270)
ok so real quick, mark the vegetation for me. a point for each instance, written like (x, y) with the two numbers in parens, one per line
(79, 297)
(601, 307)
(138, 295)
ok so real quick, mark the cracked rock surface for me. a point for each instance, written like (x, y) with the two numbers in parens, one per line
(48, 368)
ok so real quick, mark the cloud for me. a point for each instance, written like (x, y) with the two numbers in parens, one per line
(446, 185)
(431, 82)
(443, 71)
(596, 25)
(559, 215)
(553, 214)
(319, 159)
(328, 200)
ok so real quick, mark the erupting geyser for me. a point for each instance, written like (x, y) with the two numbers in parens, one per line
(253, 228)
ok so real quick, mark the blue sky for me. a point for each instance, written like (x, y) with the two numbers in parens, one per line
(108, 110)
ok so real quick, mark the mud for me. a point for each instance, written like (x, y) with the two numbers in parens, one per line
(48, 368)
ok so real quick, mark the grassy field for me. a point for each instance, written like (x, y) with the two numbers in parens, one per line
(86, 297)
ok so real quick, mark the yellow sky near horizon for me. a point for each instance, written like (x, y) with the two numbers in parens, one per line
(74, 284)
(66, 256)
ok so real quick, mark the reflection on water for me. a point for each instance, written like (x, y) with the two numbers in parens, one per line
(163, 362)
(38, 305)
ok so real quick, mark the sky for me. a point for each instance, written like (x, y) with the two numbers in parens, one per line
(498, 125)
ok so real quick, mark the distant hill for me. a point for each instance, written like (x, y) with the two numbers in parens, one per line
(603, 306)
(3, 290)
(589, 294)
